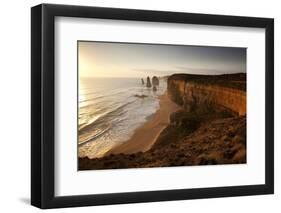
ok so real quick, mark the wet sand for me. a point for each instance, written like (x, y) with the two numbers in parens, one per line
(145, 136)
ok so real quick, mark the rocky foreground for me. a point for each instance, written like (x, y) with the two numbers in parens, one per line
(206, 131)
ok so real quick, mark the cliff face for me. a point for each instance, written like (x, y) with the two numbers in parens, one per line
(217, 92)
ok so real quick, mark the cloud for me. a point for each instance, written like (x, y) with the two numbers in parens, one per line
(207, 71)
(183, 69)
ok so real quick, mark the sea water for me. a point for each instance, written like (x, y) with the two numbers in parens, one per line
(110, 110)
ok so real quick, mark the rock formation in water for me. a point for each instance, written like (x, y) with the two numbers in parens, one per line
(148, 83)
(154, 89)
(140, 96)
(142, 81)
(155, 81)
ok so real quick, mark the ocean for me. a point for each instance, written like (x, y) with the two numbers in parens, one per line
(110, 110)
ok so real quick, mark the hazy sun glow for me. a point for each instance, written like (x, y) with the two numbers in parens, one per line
(107, 59)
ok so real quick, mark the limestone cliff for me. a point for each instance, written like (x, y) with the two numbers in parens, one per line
(216, 91)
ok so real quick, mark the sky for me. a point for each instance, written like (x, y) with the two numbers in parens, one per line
(131, 60)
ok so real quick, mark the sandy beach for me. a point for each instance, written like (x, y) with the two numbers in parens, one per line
(145, 136)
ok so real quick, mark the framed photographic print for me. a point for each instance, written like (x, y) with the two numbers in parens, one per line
(140, 106)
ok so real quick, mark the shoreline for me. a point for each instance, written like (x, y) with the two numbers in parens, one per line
(145, 136)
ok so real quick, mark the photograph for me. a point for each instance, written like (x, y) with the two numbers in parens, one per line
(160, 105)
(139, 105)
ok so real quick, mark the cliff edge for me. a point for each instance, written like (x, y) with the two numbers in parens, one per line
(226, 92)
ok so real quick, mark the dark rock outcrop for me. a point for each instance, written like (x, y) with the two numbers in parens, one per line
(155, 81)
(148, 83)
(140, 96)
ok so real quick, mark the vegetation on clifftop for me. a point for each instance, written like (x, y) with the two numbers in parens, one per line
(235, 81)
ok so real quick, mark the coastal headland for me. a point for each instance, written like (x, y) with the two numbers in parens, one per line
(201, 121)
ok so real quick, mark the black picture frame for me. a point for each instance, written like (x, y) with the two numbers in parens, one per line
(43, 102)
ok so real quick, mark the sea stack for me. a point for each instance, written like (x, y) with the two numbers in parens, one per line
(148, 83)
(142, 81)
(155, 81)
